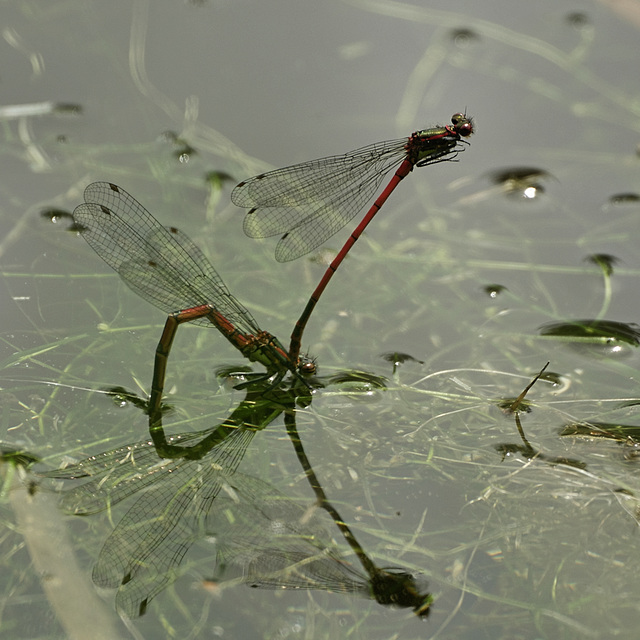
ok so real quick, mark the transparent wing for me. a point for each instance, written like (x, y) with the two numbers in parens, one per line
(116, 475)
(161, 264)
(311, 201)
(142, 555)
(276, 542)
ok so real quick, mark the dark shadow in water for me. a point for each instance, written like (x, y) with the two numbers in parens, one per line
(390, 585)
(188, 488)
(178, 477)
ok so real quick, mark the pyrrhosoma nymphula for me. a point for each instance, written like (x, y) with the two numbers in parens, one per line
(307, 203)
(165, 267)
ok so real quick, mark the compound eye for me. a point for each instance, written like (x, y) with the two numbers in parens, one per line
(465, 129)
(307, 366)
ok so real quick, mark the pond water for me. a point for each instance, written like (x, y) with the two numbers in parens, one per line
(502, 508)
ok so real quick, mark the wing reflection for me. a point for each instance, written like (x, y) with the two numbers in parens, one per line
(277, 543)
(187, 489)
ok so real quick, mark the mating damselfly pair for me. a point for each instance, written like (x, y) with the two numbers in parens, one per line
(305, 203)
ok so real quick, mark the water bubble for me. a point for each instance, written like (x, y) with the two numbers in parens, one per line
(397, 357)
(525, 183)
(494, 290)
(55, 215)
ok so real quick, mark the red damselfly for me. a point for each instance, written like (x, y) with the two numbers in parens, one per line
(309, 202)
(167, 269)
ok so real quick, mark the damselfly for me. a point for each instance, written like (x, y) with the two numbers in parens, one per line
(167, 269)
(307, 203)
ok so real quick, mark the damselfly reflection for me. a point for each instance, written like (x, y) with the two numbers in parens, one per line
(188, 490)
(280, 544)
(388, 586)
(179, 476)
(166, 268)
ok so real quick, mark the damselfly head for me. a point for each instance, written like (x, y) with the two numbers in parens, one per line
(397, 587)
(307, 366)
(462, 125)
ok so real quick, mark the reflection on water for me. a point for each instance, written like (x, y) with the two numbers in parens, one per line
(187, 489)
(278, 544)
(178, 478)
